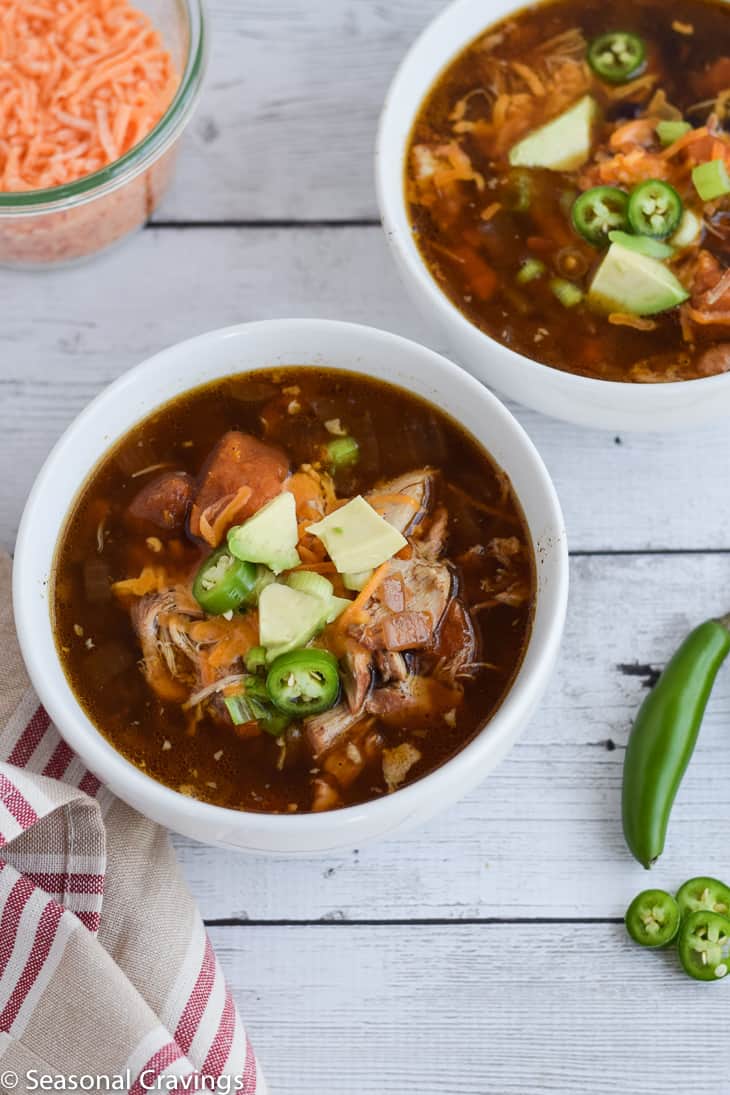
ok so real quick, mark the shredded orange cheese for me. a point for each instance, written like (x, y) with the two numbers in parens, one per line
(81, 82)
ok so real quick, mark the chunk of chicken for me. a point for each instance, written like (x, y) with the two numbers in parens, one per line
(415, 487)
(168, 656)
(238, 461)
(714, 360)
(422, 699)
(163, 503)
(357, 673)
(456, 647)
(398, 762)
(322, 731)
(427, 590)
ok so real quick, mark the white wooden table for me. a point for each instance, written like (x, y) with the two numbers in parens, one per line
(483, 954)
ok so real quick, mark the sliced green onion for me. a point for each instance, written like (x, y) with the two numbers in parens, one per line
(518, 193)
(689, 232)
(342, 452)
(249, 708)
(357, 580)
(669, 132)
(568, 294)
(308, 581)
(255, 659)
(529, 271)
(642, 245)
(711, 180)
(243, 709)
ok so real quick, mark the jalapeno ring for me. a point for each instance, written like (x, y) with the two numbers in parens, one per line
(704, 945)
(655, 209)
(304, 682)
(617, 56)
(652, 918)
(598, 211)
(223, 582)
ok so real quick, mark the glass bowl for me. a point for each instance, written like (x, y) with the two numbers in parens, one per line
(43, 228)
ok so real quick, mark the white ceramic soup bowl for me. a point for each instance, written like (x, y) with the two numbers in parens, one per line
(238, 350)
(599, 403)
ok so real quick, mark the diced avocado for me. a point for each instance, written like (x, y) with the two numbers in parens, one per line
(357, 537)
(644, 245)
(270, 536)
(635, 284)
(288, 619)
(689, 231)
(563, 144)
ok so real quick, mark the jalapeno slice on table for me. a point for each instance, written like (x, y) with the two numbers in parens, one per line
(617, 56)
(652, 918)
(223, 582)
(704, 945)
(598, 211)
(304, 682)
(655, 209)
(704, 895)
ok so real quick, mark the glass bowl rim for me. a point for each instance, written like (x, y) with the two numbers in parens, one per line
(141, 155)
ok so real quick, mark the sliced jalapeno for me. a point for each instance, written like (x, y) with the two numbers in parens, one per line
(223, 582)
(704, 895)
(704, 945)
(304, 682)
(652, 918)
(655, 209)
(598, 211)
(617, 57)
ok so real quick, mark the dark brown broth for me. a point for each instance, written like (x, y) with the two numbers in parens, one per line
(397, 432)
(531, 320)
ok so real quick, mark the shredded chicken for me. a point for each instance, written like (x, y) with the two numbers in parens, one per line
(398, 762)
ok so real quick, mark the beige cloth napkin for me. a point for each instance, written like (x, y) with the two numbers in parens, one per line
(105, 966)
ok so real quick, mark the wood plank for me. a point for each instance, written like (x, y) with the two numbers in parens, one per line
(286, 124)
(542, 835)
(477, 1010)
(68, 333)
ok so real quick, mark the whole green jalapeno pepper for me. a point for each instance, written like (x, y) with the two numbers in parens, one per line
(664, 734)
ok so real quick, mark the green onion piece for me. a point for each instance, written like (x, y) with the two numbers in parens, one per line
(239, 709)
(568, 294)
(518, 194)
(669, 132)
(342, 452)
(255, 659)
(711, 180)
(643, 245)
(530, 270)
(357, 579)
(308, 581)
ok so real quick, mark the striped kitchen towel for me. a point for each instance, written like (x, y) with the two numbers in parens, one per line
(105, 966)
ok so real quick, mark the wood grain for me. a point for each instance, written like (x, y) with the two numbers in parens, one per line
(286, 125)
(542, 835)
(66, 334)
(472, 1010)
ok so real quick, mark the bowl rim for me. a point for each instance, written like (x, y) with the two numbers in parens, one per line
(138, 158)
(390, 191)
(113, 769)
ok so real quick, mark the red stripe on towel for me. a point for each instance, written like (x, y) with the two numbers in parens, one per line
(199, 997)
(44, 937)
(30, 739)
